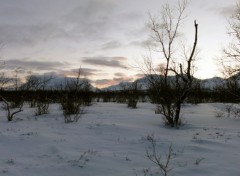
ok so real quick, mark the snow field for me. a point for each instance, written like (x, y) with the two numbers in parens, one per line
(112, 140)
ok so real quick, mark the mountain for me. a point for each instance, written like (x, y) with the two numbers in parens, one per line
(58, 82)
(210, 83)
(55, 82)
(117, 87)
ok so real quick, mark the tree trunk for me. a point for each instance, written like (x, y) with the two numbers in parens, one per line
(177, 114)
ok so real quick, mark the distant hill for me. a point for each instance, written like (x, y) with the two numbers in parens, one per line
(210, 83)
(58, 82)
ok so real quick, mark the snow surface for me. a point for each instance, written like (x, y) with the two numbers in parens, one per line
(112, 140)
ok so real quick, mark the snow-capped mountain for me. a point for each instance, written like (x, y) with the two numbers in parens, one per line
(55, 82)
(212, 83)
(143, 83)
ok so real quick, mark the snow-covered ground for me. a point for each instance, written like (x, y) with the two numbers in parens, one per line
(112, 140)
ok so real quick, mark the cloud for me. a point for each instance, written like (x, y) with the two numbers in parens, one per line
(24, 35)
(106, 61)
(104, 82)
(35, 65)
(114, 81)
(111, 45)
(123, 79)
(119, 74)
(227, 10)
(86, 71)
(142, 43)
(89, 20)
(139, 75)
(224, 8)
(33, 22)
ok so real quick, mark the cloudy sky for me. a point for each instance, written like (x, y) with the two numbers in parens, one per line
(105, 37)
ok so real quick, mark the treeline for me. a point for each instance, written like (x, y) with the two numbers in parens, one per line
(53, 96)
(120, 96)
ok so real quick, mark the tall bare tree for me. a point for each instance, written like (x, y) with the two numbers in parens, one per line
(171, 82)
(231, 54)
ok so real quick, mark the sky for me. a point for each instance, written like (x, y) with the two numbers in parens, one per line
(106, 38)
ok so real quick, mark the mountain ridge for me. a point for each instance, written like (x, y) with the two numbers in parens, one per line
(209, 83)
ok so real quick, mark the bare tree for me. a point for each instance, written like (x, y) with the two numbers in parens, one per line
(11, 112)
(231, 54)
(71, 103)
(3, 79)
(37, 84)
(12, 105)
(171, 82)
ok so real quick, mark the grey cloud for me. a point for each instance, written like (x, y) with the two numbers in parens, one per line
(26, 22)
(142, 43)
(25, 35)
(35, 65)
(133, 16)
(139, 75)
(222, 8)
(106, 61)
(121, 79)
(86, 71)
(119, 74)
(32, 22)
(89, 20)
(104, 82)
(108, 82)
(111, 45)
(227, 11)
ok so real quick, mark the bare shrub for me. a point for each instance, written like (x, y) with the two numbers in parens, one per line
(156, 158)
(132, 92)
(72, 108)
(42, 107)
(75, 98)
(129, 94)
(11, 112)
(84, 158)
(236, 112)
(219, 114)
(229, 109)
(198, 160)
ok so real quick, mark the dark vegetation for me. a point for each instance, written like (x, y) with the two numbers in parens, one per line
(75, 96)
(197, 95)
